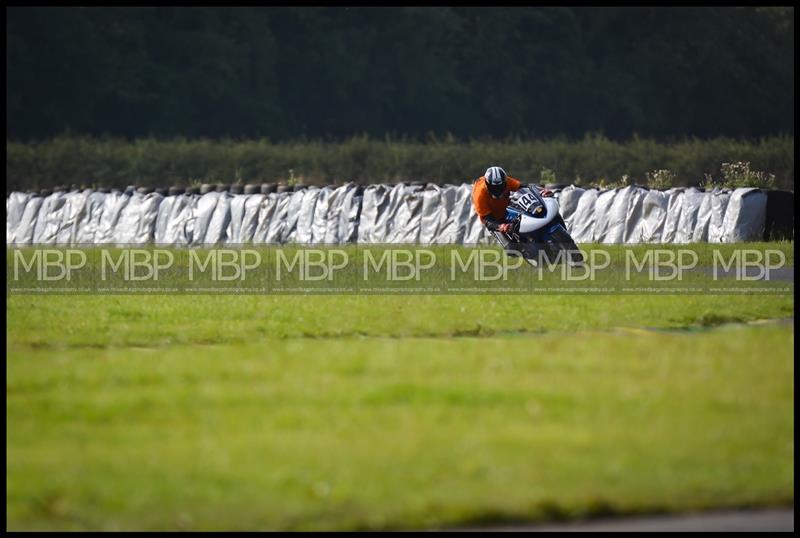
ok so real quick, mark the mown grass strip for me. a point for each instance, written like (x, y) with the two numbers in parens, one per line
(162, 321)
(384, 433)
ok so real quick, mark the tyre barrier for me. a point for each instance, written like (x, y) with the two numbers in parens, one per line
(415, 212)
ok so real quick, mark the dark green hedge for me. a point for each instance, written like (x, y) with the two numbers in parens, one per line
(151, 162)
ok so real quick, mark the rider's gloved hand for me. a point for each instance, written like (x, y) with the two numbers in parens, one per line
(546, 193)
(504, 228)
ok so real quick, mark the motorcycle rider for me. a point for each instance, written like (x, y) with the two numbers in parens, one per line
(490, 198)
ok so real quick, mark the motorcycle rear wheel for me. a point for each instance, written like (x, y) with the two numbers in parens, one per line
(561, 240)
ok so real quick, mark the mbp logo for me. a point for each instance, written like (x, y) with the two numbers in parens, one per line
(135, 264)
(51, 265)
(400, 264)
(224, 264)
(749, 264)
(310, 264)
(662, 264)
(564, 265)
(486, 264)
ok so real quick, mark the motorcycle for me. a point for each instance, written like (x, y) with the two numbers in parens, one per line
(538, 231)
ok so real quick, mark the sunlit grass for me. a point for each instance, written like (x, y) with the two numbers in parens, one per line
(354, 433)
(374, 411)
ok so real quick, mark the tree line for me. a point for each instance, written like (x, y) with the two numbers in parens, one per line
(330, 73)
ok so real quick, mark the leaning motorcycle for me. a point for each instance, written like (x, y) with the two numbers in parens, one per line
(538, 232)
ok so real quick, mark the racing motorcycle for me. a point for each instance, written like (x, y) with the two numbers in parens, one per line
(538, 232)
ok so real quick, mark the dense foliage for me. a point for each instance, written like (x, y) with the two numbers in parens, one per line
(336, 72)
(116, 162)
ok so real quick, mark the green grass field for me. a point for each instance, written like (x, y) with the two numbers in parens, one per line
(392, 412)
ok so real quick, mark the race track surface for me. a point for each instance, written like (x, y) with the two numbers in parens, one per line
(773, 520)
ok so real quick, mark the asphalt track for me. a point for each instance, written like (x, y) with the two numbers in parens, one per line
(771, 520)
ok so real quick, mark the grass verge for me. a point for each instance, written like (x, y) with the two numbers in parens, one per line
(377, 433)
